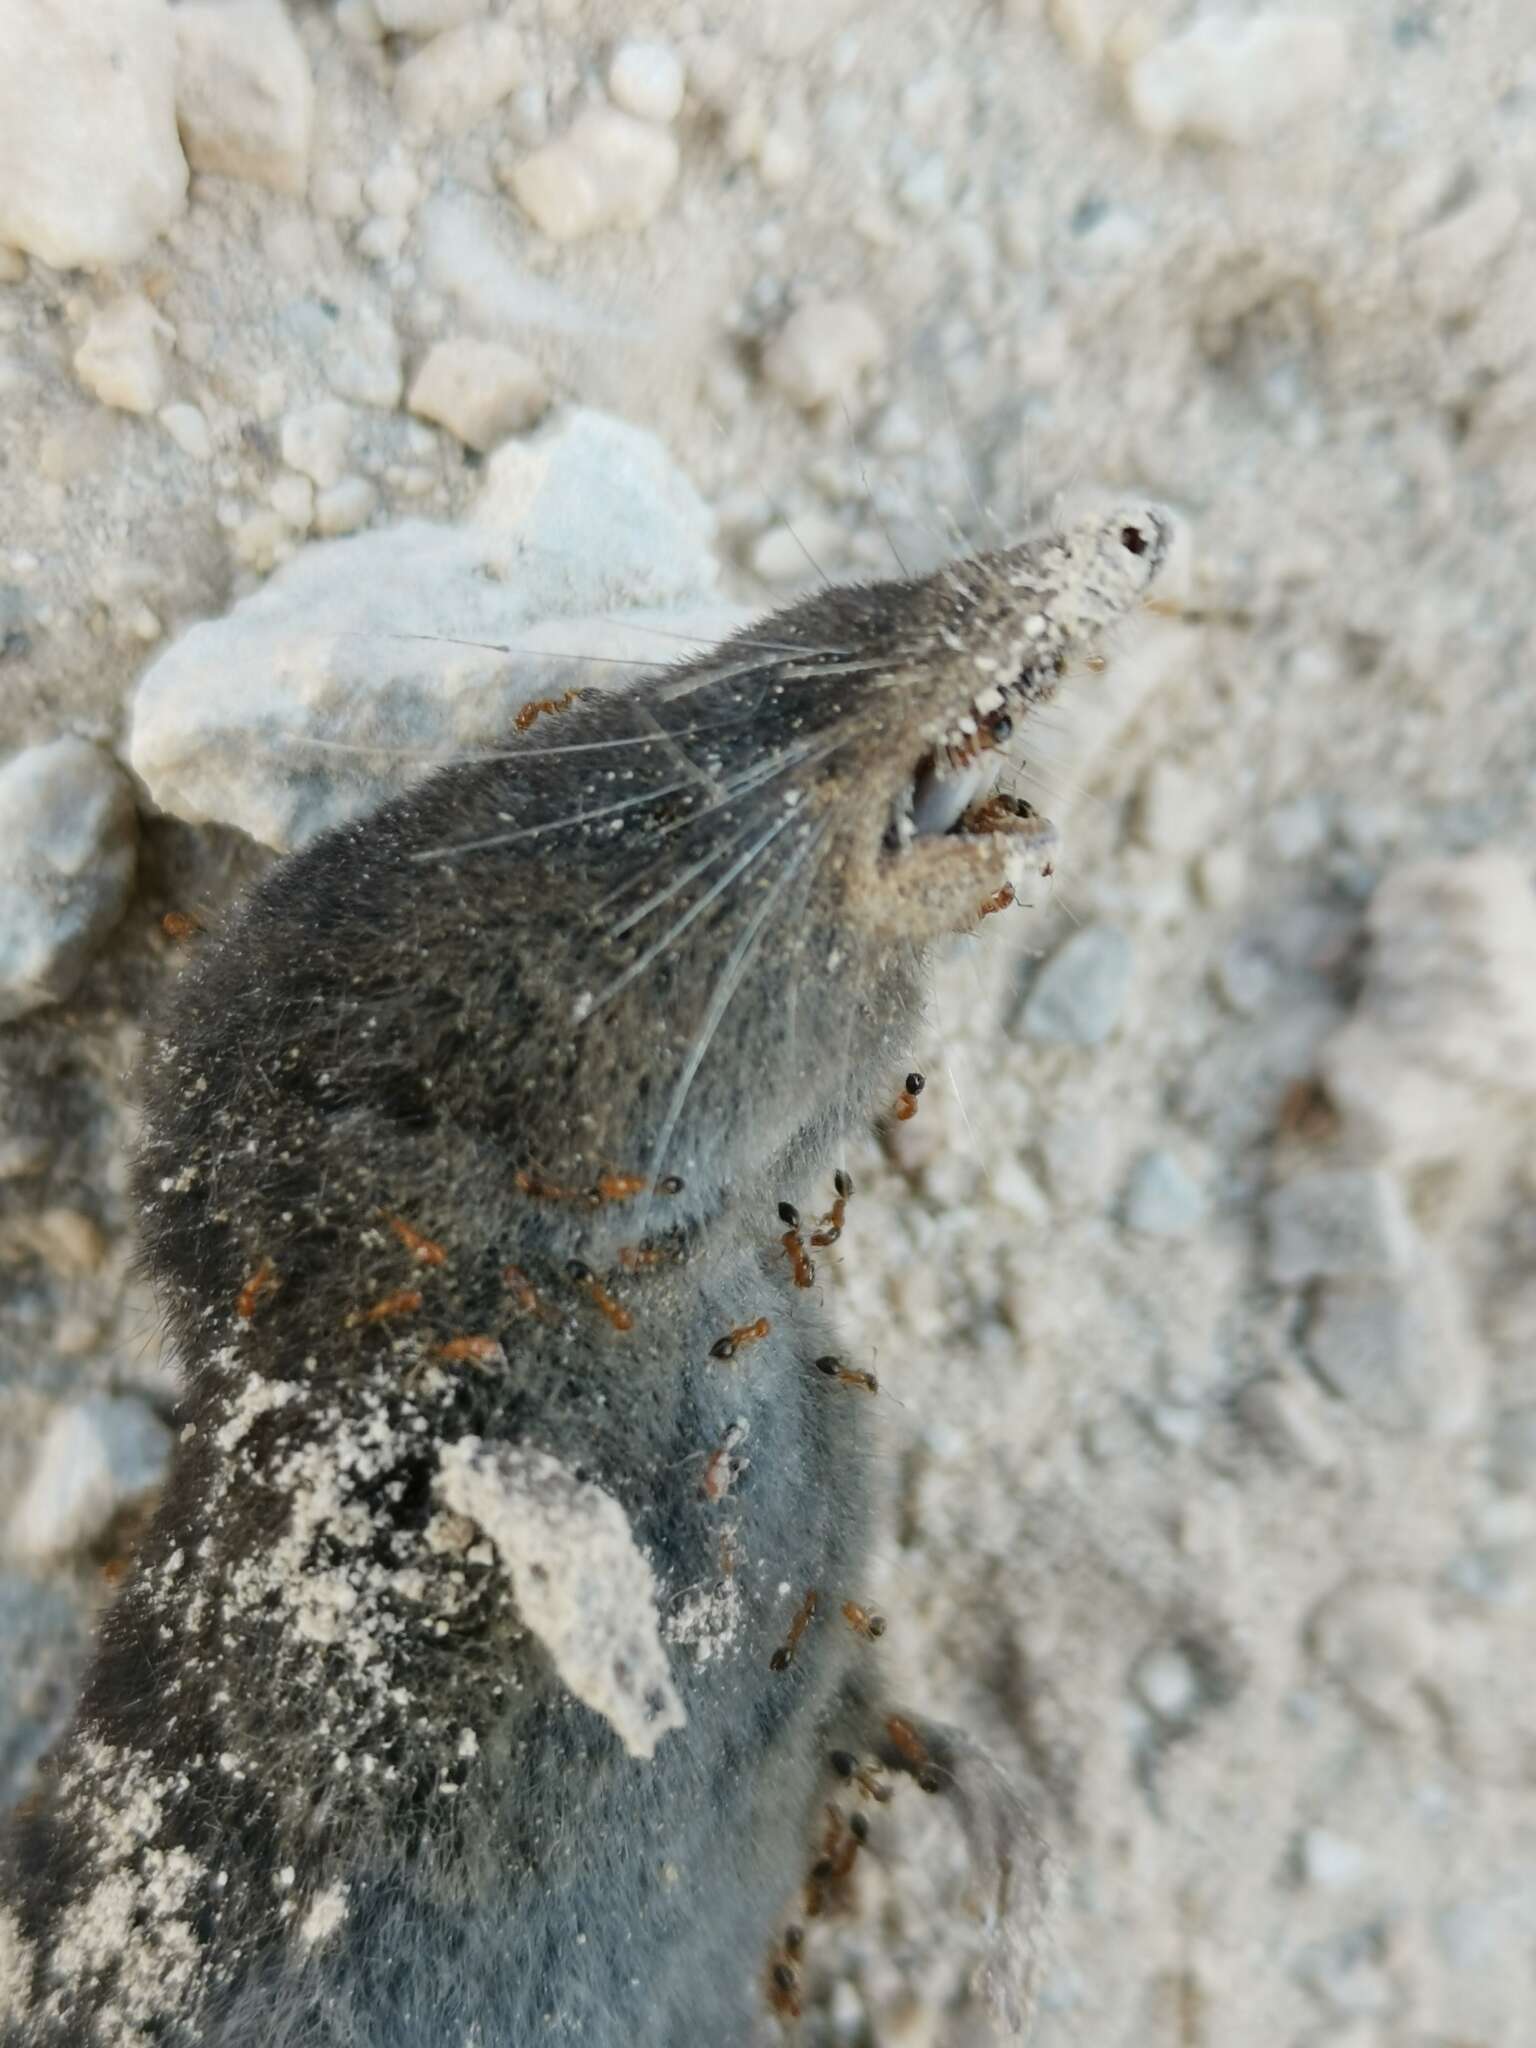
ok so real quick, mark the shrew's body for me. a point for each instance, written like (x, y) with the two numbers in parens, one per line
(465, 1150)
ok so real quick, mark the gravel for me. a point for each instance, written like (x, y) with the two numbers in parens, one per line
(1079, 994)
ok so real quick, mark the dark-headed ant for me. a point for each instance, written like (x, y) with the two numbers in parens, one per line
(906, 1101)
(784, 1656)
(862, 1622)
(847, 1767)
(483, 1352)
(832, 1223)
(846, 1376)
(802, 1266)
(913, 1751)
(735, 1340)
(992, 904)
(615, 1311)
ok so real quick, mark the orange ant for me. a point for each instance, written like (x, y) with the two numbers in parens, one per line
(840, 1848)
(263, 1281)
(724, 1467)
(526, 1295)
(832, 1223)
(784, 1655)
(912, 1750)
(615, 1311)
(801, 1264)
(862, 1622)
(735, 1340)
(906, 1101)
(539, 707)
(542, 1190)
(847, 1767)
(479, 1351)
(992, 904)
(421, 1248)
(846, 1376)
(179, 924)
(403, 1302)
(784, 1978)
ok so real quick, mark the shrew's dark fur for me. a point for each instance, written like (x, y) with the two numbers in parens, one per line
(326, 1789)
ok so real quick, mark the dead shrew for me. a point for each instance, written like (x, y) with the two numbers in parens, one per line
(465, 1152)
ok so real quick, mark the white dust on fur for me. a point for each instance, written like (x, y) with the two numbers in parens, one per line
(582, 1585)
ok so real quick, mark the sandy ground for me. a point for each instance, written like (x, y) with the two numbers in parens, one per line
(1204, 1285)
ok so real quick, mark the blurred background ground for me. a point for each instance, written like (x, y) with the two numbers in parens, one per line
(1204, 1285)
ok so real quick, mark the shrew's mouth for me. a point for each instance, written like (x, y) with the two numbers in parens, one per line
(951, 793)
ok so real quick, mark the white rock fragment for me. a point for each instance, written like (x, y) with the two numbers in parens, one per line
(1440, 1054)
(646, 79)
(68, 842)
(347, 505)
(96, 1457)
(392, 189)
(581, 1583)
(1448, 263)
(607, 171)
(245, 99)
(362, 362)
(1162, 1199)
(121, 359)
(1166, 1680)
(189, 430)
(1078, 995)
(1236, 81)
(481, 391)
(315, 438)
(1339, 1223)
(1399, 1351)
(366, 643)
(823, 352)
(1329, 1862)
(460, 76)
(1377, 1638)
(90, 166)
(293, 499)
(426, 17)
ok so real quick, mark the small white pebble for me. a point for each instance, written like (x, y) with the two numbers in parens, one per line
(381, 239)
(459, 77)
(1237, 81)
(646, 80)
(393, 188)
(314, 440)
(120, 359)
(337, 194)
(188, 429)
(293, 497)
(823, 352)
(262, 540)
(609, 170)
(346, 506)
(481, 391)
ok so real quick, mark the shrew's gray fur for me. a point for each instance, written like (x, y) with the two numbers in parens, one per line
(623, 987)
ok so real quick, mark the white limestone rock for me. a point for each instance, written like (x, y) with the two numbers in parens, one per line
(90, 166)
(608, 171)
(68, 845)
(481, 391)
(461, 76)
(122, 357)
(1237, 81)
(97, 1456)
(364, 662)
(244, 96)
